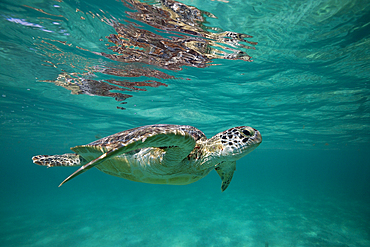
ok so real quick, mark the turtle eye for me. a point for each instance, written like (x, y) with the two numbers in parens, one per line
(246, 132)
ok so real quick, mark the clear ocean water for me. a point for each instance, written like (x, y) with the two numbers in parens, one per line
(72, 72)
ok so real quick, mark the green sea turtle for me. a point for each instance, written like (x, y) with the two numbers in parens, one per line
(161, 154)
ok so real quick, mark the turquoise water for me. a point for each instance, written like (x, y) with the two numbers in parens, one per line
(73, 72)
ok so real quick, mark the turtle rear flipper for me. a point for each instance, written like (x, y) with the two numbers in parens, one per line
(59, 160)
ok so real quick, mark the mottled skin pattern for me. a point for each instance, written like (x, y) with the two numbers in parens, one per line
(161, 154)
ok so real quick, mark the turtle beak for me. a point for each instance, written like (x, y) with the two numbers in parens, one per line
(257, 138)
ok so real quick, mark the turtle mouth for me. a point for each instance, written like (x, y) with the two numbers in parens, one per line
(257, 138)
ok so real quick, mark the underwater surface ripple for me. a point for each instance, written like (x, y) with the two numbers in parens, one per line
(308, 83)
(298, 71)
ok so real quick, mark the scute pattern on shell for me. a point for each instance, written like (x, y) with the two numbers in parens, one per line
(132, 135)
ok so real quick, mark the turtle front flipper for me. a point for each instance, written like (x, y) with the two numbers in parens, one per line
(59, 160)
(161, 137)
(226, 171)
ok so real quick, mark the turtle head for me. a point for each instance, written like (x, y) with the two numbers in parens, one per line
(238, 142)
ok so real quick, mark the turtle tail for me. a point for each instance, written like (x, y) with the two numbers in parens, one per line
(59, 160)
